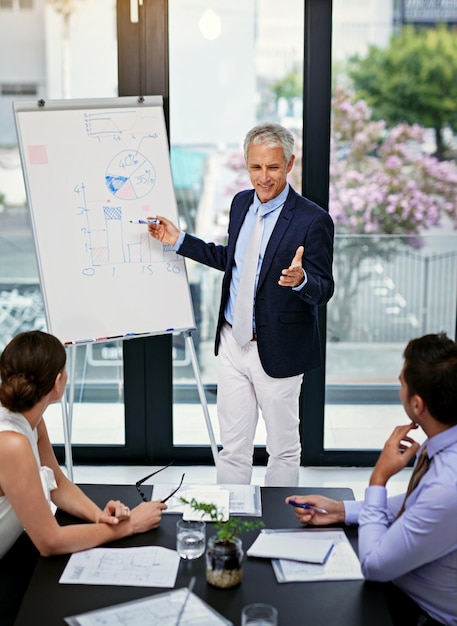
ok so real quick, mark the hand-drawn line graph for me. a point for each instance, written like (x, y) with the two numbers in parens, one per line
(111, 122)
(130, 175)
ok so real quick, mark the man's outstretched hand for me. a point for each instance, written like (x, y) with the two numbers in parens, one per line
(294, 275)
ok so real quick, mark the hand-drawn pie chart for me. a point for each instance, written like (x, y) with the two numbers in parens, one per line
(130, 175)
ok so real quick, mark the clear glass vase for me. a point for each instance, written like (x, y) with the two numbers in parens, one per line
(224, 562)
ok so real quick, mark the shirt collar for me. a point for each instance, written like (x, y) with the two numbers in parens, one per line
(273, 204)
(441, 441)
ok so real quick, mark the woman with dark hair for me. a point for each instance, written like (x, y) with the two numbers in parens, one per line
(33, 376)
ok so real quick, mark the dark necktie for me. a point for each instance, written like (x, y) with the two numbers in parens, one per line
(242, 316)
(422, 465)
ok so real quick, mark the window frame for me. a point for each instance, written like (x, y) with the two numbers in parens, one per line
(147, 422)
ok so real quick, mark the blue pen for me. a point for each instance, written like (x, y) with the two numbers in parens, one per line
(308, 506)
(144, 221)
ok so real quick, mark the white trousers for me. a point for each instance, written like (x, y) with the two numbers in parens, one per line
(243, 388)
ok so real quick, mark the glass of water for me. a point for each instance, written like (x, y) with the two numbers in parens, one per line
(259, 615)
(190, 538)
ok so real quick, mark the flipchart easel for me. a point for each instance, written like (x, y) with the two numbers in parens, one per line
(93, 171)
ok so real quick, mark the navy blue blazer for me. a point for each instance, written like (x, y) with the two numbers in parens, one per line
(286, 320)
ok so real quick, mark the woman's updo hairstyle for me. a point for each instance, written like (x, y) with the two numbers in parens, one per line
(29, 366)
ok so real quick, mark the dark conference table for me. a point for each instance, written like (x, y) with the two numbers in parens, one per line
(339, 603)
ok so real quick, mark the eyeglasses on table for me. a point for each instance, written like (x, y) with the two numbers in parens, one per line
(140, 482)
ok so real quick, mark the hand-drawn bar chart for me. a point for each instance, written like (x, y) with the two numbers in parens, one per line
(111, 245)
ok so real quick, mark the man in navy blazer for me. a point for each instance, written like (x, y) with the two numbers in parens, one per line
(294, 277)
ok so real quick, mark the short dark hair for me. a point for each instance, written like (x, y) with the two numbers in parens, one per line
(29, 366)
(430, 371)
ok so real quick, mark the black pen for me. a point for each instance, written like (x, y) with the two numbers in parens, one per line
(308, 506)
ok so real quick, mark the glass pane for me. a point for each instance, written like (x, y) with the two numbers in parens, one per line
(232, 64)
(393, 199)
(47, 63)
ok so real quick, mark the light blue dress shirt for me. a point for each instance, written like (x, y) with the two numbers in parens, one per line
(270, 213)
(417, 551)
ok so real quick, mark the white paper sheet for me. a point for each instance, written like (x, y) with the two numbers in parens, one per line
(163, 609)
(146, 566)
(342, 563)
(299, 546)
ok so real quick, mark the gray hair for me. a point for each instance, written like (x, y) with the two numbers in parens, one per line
(273, 136)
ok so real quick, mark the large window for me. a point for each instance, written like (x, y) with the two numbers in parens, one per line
(223, 66)
(218, 90)
(52, 56)
(393, 200)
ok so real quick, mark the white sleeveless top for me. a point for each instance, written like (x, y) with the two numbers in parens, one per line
(10, 527)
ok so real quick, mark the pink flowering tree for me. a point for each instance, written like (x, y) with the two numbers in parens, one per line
(382, 187)
(384, 193)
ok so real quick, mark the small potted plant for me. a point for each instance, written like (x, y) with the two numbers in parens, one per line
(224, 551)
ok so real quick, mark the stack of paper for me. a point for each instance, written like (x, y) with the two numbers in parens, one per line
(297, 546)
(243, 500)
(342, 564)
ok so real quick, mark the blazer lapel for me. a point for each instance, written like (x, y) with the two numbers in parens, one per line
(283, 223)
(241, 209)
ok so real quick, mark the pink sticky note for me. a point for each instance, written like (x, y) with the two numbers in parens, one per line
(37, 155)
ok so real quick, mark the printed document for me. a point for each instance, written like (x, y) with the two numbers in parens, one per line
(164, 609)
(146, 566)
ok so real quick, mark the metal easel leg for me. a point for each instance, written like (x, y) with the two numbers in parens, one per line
(67, 438)
(67, 412)
(201, 393)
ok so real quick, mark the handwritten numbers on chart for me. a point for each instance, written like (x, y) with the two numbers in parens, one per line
(79, 188)
(175, 269)
(128, 160)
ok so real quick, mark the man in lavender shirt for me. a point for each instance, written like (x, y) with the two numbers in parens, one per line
(412, 549)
